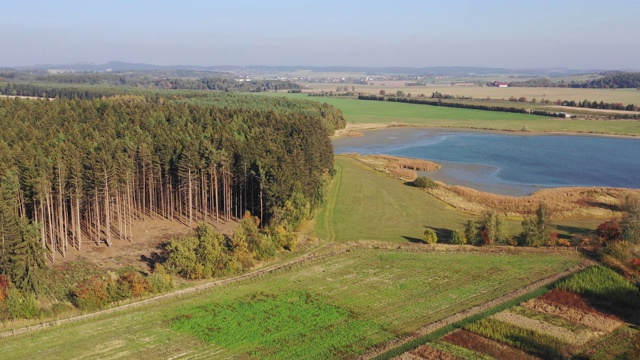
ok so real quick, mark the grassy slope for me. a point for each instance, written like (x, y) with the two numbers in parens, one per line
(379, 112)
(365, 205)
(388, 293)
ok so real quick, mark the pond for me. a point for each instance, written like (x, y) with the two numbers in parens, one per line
(509, 164)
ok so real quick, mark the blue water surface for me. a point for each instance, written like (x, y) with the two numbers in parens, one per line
(542, 161)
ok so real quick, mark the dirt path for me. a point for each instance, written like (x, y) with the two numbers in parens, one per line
(331, 204)
(377, 351)
(269, 269)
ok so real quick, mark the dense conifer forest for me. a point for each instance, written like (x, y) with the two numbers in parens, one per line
(609, 80)
(77, 171)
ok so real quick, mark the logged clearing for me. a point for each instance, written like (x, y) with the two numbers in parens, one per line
(362, 297)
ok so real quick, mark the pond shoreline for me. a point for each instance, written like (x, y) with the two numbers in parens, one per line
(357, 128)
(381, 138)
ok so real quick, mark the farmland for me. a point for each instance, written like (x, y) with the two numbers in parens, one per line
(626, 96)
(383, 112)
(383, 294)
(591, 314)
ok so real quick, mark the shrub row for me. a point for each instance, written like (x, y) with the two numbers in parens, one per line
(461, 105)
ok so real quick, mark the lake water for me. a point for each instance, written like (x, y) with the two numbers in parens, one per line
(509, 164)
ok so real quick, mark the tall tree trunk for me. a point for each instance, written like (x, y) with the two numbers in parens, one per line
(190, 196)
(107, 209)
(78, 221)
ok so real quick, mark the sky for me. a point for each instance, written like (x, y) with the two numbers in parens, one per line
(514, 34)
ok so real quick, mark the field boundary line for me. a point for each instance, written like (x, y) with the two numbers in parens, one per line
(337, 249)
(331, 204)
(311, 255)
(452, 319)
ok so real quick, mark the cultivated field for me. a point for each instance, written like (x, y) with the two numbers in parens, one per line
(384, 112)
(625, 96)
(336, 307)
(589, 315)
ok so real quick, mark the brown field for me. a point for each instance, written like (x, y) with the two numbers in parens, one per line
(483, 345)
(576, 338)
(593, 320)
(427, 352)
(625, 96)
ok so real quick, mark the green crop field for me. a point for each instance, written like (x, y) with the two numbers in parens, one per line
(336, 307)
(385, 112)
(366, 205)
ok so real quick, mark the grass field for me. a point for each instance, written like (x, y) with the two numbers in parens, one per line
(365, 205)
(383, 112)
(625, 96)
(332, 308)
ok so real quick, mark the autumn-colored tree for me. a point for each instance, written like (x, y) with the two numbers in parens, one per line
(536, 231)
(609, 231)
(91, 294)
(430, 236)
(136, 282)
(458, 238)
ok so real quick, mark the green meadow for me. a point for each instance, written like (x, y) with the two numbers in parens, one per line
(331, 308)
(365, 205)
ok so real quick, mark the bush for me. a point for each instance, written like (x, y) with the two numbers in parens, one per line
(20, 306)
(430, 236)
(117, 290)
(5, 285)
(424, 182)
(137, 283)
(160, 281)
(609, 231)
(91, 294)
(458, 238)
(620, 250)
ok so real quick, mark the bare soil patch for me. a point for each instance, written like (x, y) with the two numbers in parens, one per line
(577, 338)
(427, 352)
(483, 345)
(149, 237)
(574, 308)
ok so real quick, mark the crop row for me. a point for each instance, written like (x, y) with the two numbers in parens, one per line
(528, 340)
(603, 284)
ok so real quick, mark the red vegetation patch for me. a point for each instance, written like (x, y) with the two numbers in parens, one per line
(574, 308)
(568, 299)
(486, 346)
(427, 352)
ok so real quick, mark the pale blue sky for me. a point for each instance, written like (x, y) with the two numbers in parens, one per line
(492, 33)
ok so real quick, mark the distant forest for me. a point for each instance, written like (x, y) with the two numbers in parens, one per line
(74, 171)
(609, 80)
(156, 80)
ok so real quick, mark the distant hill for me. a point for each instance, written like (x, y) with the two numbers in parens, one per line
(119, 66)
